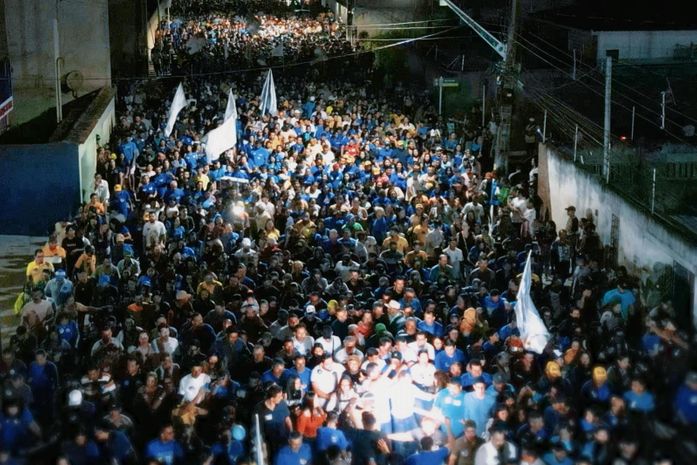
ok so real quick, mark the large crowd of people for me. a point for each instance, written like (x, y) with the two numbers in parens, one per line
(342, 285)
(217, 42)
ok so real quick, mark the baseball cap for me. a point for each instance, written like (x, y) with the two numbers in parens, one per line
(74, 398)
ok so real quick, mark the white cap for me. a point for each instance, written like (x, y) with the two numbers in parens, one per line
(246, 242)
(394, 304)
(74, 398)
(310, 309)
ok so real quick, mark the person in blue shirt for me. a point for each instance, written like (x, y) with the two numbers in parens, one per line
(428, 455)
(449, 403)
(274, 374)
(300, 370)
(114, 445)
(329, 435)
(558, 456)
(430, 325)
(478, 405)
(295, 453)
(81, 450)
(475, 372)
(624, 296)
(686, 400)
(638, 398)
(43, 380)
(17, 427)
(165, 448)
(448, 356)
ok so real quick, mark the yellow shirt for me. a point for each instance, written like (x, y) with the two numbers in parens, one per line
(36, 270)
(402, 243)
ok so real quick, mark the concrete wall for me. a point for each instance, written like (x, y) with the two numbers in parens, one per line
(84, 46)
(642, 44)
(158, 15)
(87, 151)
(644, 244)
(41, 186)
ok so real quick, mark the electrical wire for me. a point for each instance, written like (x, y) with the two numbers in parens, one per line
(620, 83)
(602, 94)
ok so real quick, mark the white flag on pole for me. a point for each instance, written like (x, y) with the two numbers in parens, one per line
(220, 139)
(231, 108)
(178, 104)
(532, 329)
(268, 96)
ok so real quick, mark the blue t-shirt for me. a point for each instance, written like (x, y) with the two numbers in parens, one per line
(431, 457)
(641, 402)
(479, 410)
(166, 452)
(286, 456)
(452, 407)
(443, 360)
(14, 431)
(330, 437)
(686, 404)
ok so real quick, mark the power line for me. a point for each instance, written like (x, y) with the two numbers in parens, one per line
(602, 95)
(565, 52)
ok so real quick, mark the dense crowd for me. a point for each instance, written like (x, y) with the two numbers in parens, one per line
(214, 43)
(345, 278)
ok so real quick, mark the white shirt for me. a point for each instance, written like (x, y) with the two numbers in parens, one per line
(427, 347)
(189, 387)
(341, 356)
(152, 232)
(488, 455)
(424, 375)
(305, 346)
(168, 347)
(331, 345)
(326, 380)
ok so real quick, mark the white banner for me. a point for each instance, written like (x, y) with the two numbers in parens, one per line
(268, 96)
(178, 104)
(532, 329)
(231, 108)
(220, 139)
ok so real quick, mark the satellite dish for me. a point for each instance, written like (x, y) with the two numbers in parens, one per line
(72, 82)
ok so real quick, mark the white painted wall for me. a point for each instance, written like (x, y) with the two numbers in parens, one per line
(87, 151)
(642, 44)
(643, 242)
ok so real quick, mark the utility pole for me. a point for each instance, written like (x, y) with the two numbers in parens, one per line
(606, 126)
(507, 94)
(663, 110)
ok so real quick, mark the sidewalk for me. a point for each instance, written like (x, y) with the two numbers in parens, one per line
(15, 253)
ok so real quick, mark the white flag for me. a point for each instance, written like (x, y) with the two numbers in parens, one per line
(532, 329)
(268, 96)
(178, 104)
(231, 109)
(220, 139)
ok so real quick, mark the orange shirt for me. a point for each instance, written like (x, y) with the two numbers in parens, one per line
(309, 423)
